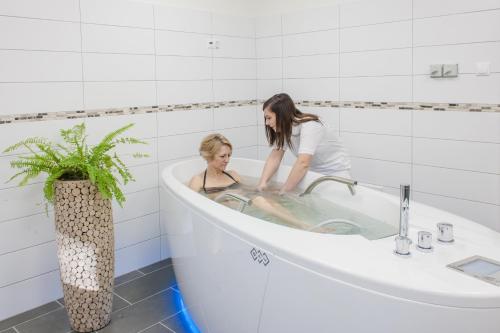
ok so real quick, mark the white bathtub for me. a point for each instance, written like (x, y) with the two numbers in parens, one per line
(240, 274)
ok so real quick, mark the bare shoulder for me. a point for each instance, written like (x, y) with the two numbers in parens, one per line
(196, 182)
(235, 175)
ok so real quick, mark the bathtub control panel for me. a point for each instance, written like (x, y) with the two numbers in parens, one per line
(479, 267)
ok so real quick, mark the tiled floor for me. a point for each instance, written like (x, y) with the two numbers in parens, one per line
(144, 301)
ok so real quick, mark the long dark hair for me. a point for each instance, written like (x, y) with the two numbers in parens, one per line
(287, 115)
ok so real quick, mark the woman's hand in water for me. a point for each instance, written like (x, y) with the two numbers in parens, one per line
(262, 187)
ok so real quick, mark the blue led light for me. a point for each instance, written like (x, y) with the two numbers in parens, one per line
(187, 322)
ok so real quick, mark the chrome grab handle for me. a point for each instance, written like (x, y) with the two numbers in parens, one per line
(349, 182)
(244, 201)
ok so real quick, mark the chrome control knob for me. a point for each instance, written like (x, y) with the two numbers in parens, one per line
(424, 241)
(445, 232)
(402, 245)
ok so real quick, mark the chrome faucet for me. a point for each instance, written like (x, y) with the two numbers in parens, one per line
(349, 182)
(244, 202)
(402, 241)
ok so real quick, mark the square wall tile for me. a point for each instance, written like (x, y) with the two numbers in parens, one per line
(267, 25)
(381, 173)
(233, 25)
(137, 230)
(425, 8)
(312, 89)
(182, 43)
(113, 39)
(144, 127)
(376, 121)
(233, 90)
(234, 117)
(136, 256)
(119, 94)
(179, 146)
(170, 68)
(325, 65)
(235, 47)
(118, 67)
(328, 116)
(269, 47)
(377, 146)
(183, 92)
(371, 89)
(137, 204)
(376, 63)
(227, 69)
(269, 68)
(186, 121)
(267, 88)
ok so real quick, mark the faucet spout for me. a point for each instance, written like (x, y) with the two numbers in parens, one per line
(349, 182)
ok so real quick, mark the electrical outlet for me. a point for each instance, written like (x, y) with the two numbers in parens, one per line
(436, 70)
(450, 70)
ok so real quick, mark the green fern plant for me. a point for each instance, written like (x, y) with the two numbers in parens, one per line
(75, 160)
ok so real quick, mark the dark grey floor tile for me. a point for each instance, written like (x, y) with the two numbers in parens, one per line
(22, 317)
(147, 285)
(143, 314)
(11, 330)
(127, 277)
(177, 324)
(156, 265)
(158, 328)
(118, 303)
(53, 322)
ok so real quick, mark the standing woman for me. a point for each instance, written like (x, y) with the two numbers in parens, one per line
(316, 147)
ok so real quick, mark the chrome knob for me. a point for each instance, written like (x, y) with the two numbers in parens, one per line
(402, 245)
(424, 241)
(445, 232)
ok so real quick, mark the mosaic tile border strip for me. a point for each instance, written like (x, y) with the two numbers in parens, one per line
(45, 116)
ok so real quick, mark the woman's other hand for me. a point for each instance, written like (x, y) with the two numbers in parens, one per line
(262, 187)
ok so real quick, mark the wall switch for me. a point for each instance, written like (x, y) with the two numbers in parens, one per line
(212, 44)
(450, 70)
(436, 70)
(483, 68)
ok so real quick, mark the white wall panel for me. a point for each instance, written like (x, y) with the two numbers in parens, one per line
(376, 121)
(241, 136)
(374, 11)
(24, 66)
(452, 29)
(467, 126)
(36, 260)
(179, 146)
(40, 97)
(33, 34)
(462, 89)
(376, 63)
(231, 90)
(181, 43)
(482, 213)
(269, 47)
(146, 177)
(312, 89)
(267, 88)
(424, 8)
(328, 116)
(473, 156)
(378, 172)
(248, 152)
(183, 68)
(186, 121)
(311, 43)
(234, 117)
(325, 65)
(227, 69)
(267, 25)
(270, 68)
(137, 204)
(459, 184)
(144, 127)
(119, 94)
(118, 67)
(372, 89)
(377, 146)
(180, 92)
(65, 10)
(314, 19)
(139, 255)
(137, 230)
(117, 12)
(112, 39)
(232, 25)
(376, 37)
(182, 19)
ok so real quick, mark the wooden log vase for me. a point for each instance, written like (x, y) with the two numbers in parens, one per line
(85, 246)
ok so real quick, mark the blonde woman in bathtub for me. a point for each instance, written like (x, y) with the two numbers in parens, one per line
(217, 150)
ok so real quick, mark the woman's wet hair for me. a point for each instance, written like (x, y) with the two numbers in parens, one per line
(287, 115)
(211, 144)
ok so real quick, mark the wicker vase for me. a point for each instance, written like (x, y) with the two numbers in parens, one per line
(85, 246)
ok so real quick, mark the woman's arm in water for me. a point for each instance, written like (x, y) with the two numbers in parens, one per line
(299, 170)
(272, 163)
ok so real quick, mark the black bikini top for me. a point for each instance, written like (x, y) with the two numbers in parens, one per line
(217, 188)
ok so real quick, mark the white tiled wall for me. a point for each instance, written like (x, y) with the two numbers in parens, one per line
(381, 51)
(91, 54)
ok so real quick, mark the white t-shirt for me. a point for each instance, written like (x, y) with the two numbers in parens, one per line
(314, 138)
